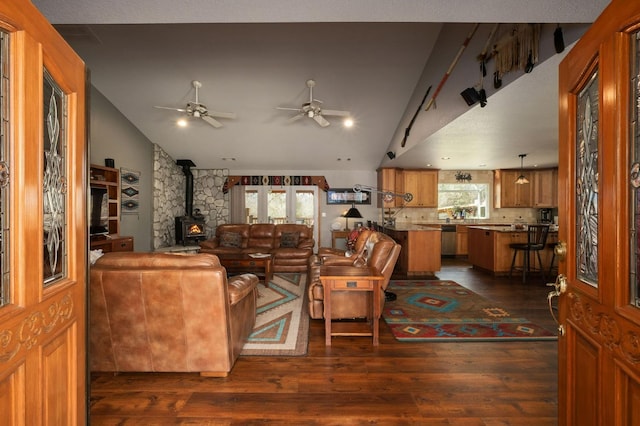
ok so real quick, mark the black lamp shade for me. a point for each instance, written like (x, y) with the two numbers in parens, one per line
(352, 213)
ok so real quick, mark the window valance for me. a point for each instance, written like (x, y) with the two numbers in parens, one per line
(320, 181)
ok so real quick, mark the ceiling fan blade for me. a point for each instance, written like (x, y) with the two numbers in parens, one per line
(215, 123)
(296, 117)
(288, 109)
(171, 108)
(321, 120)
(336, 112)
(221, 114)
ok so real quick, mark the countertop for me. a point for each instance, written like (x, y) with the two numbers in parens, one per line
(501, 228)
(412, 227)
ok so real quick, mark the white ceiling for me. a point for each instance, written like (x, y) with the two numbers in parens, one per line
(366, 56)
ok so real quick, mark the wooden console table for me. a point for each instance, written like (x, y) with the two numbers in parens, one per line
(337, 236)
(112, 243)
(351, 278)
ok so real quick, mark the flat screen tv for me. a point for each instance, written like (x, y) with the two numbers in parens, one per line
(99, 207)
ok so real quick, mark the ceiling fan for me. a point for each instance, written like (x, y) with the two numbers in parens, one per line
(198, 110)
(313, 109)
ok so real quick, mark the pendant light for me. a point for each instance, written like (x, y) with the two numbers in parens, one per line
(522, 179)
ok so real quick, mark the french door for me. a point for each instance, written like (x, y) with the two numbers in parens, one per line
(43, 213)
(599, 202)
(286, 204)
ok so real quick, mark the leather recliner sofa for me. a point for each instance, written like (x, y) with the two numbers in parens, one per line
(168, 312)
(380, 252)
(291, 245)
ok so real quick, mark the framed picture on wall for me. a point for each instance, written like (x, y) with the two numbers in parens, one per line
(347, 196)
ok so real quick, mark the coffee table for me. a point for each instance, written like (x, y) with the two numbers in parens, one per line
(242, 262)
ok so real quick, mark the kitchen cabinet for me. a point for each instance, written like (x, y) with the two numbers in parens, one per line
(540, 192)
(420, 253)
(489, 248)
(423, 185)
(545, 188)
(509, 194)
(390, 179)
(462, 242)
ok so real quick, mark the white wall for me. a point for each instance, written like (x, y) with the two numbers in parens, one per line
(113, 136)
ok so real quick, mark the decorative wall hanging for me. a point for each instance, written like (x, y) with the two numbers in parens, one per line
(129, 191)
(320, 181)
(348, 196)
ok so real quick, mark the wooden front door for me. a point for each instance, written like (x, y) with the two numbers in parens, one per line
(43, 242)
(599, 199)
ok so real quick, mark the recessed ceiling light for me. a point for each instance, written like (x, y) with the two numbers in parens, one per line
(482, 165)
(445, 158)
(228, 159)
(429, 164)
(182, 122)
(340, 159)
(348, 122)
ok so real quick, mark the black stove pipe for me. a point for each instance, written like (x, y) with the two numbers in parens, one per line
(186, 169)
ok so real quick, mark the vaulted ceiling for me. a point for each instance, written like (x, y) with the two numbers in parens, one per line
(372, 58)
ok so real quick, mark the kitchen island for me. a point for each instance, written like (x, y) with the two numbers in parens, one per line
(420, 254)
(489, 248)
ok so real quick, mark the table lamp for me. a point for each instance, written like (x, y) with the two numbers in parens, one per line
(353, 213)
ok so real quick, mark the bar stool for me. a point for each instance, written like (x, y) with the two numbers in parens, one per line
(536, 242)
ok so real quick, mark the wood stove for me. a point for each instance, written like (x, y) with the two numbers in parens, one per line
(190, 228)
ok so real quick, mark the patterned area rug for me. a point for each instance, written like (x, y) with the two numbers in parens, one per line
(446, 311)
(282, 321)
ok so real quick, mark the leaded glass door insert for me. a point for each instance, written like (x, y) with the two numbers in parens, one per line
(55, 182)
(587, 183)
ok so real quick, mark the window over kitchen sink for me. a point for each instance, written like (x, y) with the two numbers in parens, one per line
(463, 201)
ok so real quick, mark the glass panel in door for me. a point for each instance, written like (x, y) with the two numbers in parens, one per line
(305, 206)
(277, 206)
(55, 181)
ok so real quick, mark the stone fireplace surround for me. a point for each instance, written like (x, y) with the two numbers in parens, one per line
(169, 197)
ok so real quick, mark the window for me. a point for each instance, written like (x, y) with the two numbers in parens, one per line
(463, 201)
(289, 204)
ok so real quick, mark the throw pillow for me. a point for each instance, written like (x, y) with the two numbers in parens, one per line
(289, 239)
(230, 239)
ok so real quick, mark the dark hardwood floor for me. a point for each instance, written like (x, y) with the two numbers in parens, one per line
(354, 383)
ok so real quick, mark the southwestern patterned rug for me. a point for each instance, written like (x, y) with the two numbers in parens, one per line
(282, 321)
(446, 311)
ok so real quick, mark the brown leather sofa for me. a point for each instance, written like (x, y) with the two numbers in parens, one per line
(291, 245)
(380, 251)
(168, 312)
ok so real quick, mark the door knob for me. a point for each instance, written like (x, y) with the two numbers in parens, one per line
(560, 250)
(560, 287)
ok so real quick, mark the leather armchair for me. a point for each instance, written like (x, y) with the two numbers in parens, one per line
(168, 312)
(381, 252)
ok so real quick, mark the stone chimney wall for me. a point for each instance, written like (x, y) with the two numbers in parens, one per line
(169, 197)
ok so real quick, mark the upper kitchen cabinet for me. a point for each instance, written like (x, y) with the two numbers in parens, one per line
(545, 188)
(390, 179)
(507, 193)
(423, 185)
(541, 191)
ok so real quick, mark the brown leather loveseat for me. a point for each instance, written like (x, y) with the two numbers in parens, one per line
(168, 312)
(380, 251)
(291, 245)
